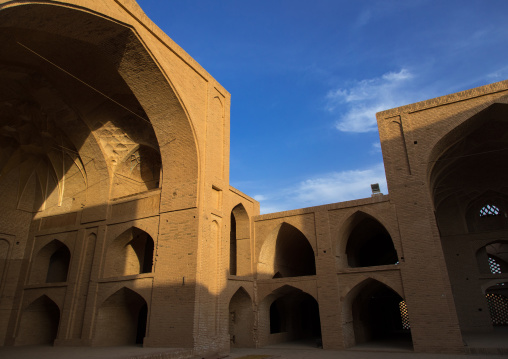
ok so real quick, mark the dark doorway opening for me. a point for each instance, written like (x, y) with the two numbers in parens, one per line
(294, 317)
(370, 244)
(380, 316)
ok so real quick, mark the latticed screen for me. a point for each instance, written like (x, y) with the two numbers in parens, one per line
(495, 268)
(498, 306)
(404, 315)
(489, 210)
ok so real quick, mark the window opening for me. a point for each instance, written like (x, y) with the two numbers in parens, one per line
(498, 307)
(489, 210)
(404, 315)
(495, 268)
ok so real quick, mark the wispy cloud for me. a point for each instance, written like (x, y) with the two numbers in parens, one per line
(328, 188)
(357, 104)
(260, 197)
(376, 148)
(498, 75)
(364, 18)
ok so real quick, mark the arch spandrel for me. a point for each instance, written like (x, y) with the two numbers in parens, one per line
(269, 292)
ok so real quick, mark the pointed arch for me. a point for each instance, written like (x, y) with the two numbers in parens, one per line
(130, 253)
(289, 314)
(51, 263)
(121, 319)
(464, 163)
(372, 311)
(286, 250)
(141, 112)
(367, 242)
(39, 323)
(241, 320)
(240, 251)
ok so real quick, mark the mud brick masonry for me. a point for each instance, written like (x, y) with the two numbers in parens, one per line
(118, 224)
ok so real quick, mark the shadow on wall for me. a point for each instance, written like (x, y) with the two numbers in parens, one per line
(368, 243)
(286, 253)
(465, 176)
(75, 135)
(287, 314)
(39, 323)
(51, 263)
(130, 253)
(470, 200)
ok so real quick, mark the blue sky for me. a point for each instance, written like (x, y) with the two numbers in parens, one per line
(307, 77)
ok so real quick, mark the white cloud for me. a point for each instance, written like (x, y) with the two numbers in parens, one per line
(357, 104)
(260, 197)
(328, 188)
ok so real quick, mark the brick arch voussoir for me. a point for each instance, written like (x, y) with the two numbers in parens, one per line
(363, 283)
(116, 287)
(233, 292)
(273, 295)
(30, 299)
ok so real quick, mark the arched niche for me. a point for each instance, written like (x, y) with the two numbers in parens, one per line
(464, 172)
(121, 319)
(51, 263)
(239, 244)
(374, 312)
(368, 242)
(130, 253)
(116, 119)
(288, 315)
(39, 323)
(493, 258)
(241, 320)
(286, 251)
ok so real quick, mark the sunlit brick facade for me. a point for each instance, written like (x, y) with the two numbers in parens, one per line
(118, 225)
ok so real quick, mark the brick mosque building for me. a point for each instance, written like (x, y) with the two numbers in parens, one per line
(118, 224)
